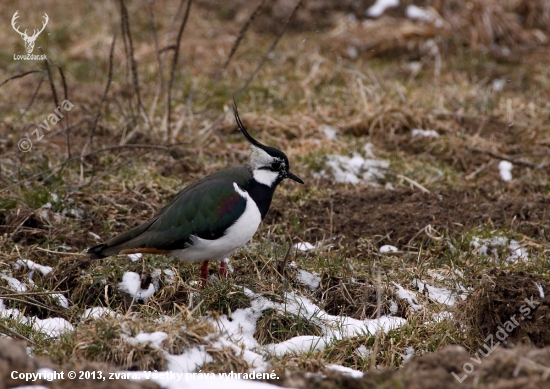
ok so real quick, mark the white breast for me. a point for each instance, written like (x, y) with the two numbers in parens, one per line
(235, 236)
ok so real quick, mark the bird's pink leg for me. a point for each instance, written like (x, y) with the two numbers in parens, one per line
(223, 269)
(204, 272)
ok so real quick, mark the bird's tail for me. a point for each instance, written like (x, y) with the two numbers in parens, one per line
(99, 251)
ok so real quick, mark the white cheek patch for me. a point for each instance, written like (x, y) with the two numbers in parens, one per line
(266, 177)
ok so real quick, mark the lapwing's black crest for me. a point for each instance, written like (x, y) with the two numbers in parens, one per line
(211, 218)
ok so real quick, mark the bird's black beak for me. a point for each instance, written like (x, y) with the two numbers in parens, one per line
(294, 177)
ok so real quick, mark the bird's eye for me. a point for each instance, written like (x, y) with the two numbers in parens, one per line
(276, 165)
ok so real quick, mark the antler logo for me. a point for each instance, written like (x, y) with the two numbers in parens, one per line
(29, 40)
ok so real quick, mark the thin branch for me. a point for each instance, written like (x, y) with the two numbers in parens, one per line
(233, 50)
(52, 85)
(89, 141)
(66, 96)
(240, 37)
(125, 23)
(173, 68)
(513, 161)
(271, 48)
(160, 64)
(20, 76)
(31, 102)
(16, 334)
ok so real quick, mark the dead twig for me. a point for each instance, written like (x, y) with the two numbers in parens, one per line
(20, 76)
(160, 64)
(89, 141)
(129, 46)
(271, 48)
(513, 161)
(173, 69)
(16, 334)
(31, 102)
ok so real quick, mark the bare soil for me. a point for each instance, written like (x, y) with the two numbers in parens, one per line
(401, 216)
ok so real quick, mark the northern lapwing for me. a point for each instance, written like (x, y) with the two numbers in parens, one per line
(213, 217)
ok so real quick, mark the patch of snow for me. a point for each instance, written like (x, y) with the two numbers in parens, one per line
(440, 295)
(304, 246)
(99, 312)
(190, 360)
(356, 168)
(51, 326)
(388, 249)
(298, 345)
(541, 290)
(424, 133)
(380, 6)
(409, 353)
(498, 84)
(14, 284)
(489, 247)
(155, 339)
(407, 295)
(134, 257)
(416, 13)
(347, 371)
(363, 351)
(131, 284)
(311, 280)
(329, 131)
(95, 236)
(518, 252)
(242, 326)
(74, 212)
(61, 300)
(170, 276)
(352, 52)
(444, 315)
(393, 307)
(505, 169)
(34, 266)
(254, 360)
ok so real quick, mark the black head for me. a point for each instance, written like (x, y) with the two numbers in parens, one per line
(269, 165)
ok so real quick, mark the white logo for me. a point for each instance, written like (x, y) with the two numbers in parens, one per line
(29, 40)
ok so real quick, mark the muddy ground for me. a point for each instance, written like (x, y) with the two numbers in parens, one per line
(400, 217)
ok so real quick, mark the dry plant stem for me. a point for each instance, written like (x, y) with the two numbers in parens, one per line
(513, 161)
(90, 139)
(271, 48)
(125, 25)
(52, 85)
(20, 76)
(31, 102)
(160, 64)
(233, 50)
(173, 69)
(16, 334)
(56, 99)
(66, 96)
(240, 37)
